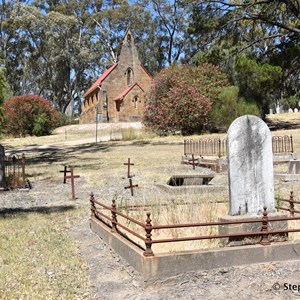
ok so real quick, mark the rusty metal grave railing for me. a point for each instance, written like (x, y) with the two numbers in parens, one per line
(112, 222)
(282, 144)
(206, 147)
(291, 209)
(218, 147)
(15, 171)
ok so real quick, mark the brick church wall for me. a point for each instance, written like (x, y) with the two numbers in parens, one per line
(114, 84)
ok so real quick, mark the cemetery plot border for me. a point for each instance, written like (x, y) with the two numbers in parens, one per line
(112, 223)
(281, 146)
(104, 222)
(213, 152)
(15, 171)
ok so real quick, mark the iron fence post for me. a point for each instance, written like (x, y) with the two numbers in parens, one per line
(265, 233)
(93, 206)
(292, 207)
(148, 242)
(23, 168)
(114, 216)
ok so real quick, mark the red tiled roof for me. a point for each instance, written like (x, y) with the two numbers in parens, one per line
(100, 79)
(125, 92)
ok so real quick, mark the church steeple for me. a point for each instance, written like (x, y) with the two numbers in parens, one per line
(129, 54)
(129, 59)
(128, 38)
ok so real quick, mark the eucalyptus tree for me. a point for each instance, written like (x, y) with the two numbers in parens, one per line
(2, 85)
(172, 19)
(261, 21)
(267, 32)
(11, 45)
(55, 55)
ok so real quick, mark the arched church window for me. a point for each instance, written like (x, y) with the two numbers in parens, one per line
(129, 77)
(135, 101)
(129, 39)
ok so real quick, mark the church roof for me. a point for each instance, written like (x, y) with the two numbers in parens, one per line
(98, 82)
(126, 91)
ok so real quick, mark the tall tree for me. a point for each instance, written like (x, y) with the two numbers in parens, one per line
(12, 45)
(172, 19)
(262, 21)
(55, 55)
(259, 82)
(268, 32)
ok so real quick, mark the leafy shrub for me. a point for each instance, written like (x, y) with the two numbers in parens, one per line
(29, 115)
(67, 120)
(228, 107)
(182, 97)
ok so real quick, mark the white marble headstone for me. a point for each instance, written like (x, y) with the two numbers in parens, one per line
(250, 166)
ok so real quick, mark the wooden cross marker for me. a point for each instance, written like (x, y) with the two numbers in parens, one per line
(72, 177)
(65, 171)
(131, 186)
(193, 161)
(128, 171)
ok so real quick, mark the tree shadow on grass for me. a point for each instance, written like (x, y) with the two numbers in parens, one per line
(36, 155)
(51, 154)
(282, 125)
(6, 212)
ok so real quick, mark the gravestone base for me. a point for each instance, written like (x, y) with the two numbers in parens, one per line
(191, 189)
(217, 165)
(287, 177)
(251, 227)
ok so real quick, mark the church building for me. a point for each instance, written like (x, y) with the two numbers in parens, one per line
(119, 94)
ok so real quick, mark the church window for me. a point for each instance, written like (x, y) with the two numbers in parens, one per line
(135, 101)
(128, 39)
(129, 77)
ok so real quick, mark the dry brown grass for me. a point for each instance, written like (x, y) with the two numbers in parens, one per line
(38, 260)
(293, 118)
(195, 209)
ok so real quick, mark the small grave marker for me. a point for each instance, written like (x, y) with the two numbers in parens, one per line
(131, 186)
(72, 177)
(65, 171)
(128, 169)
(192, 161)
